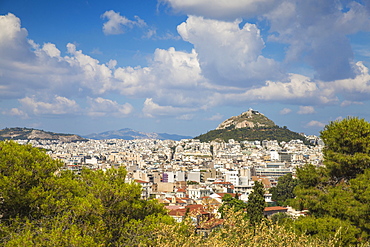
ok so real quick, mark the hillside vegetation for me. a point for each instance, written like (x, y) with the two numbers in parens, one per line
(251, 134)
(34, 134)
(250, 126)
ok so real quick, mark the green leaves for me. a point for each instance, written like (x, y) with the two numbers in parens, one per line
(95, 208)
(256, 204)
(229, 202)
(284, 189)
(347, 148)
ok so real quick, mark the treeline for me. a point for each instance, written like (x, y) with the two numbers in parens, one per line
(257, 133)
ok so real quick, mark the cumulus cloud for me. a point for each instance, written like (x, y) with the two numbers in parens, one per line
(285, 111)
(99, 107)
(316, 33)
(222, 8)
(348, 102)
(297, 89)
(16, 112)
(315, 123)
(306, 110)
(57, 106)
(152, 109)
(229, 54)
(116, 23)
(216, 117)
(173, 77)
(224, 68)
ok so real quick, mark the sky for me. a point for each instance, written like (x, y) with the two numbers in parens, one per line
(182, 66)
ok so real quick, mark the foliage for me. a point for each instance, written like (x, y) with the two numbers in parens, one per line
(236, 231)
(256, 204)
(347, 148)
(189, 182)
(252, 134)
(327, 228)
(229, 202)
(22, 169)
(284, 189)
(43, 206)
(339, 193)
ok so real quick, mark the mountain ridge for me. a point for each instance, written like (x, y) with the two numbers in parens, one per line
(18, 133)
(130, 134)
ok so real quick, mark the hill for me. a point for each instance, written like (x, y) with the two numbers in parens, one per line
(251, 125)
(34, 134)
(130, 134)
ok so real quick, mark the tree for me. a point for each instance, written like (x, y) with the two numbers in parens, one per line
(44, 206)
(347, 148)
(234, 203)
(256, 204)
(284, 190)
(22, 169)
(339, 193)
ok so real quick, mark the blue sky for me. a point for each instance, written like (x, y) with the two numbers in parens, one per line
(182, 66)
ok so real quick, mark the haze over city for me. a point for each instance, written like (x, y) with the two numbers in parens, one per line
(181, 66)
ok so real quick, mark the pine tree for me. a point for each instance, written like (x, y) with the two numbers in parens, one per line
(256, 204)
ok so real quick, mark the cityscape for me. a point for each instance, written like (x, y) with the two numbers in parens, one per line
(190, 172)
(119, 123)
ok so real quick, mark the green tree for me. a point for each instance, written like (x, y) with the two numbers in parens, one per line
(347, 148)
(256, 204)
(284, 190)
(43, 206)
(326, 228)
(22, 169)
(339, 192)
(234, 203)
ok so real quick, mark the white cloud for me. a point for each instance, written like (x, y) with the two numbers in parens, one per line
(316, 33)
(229, 54)
(16, 112)
(296, 89)
(173, 77)
(175, 83)
(152, 109)
(100, 107)
(151, 33)
(216, 117)
(57, 106)
(306, 110)
(315, 123)
(285, 111)
(186, 117)
(222, 8)
(116, 23)
(348, 102)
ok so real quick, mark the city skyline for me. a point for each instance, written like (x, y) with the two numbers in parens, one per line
(181, 67)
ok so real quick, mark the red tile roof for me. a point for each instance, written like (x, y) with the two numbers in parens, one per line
(276, 208)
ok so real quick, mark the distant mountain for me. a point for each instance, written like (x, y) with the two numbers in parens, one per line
(250, 125)
(130, 134)
(34, 134)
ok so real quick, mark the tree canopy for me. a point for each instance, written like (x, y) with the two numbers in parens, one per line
(284, 190)
(338, 194)
(229, 202)
(43, 205)
(347, 148)
(256, 203)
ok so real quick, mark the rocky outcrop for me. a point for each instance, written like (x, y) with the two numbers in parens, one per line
(248, 119)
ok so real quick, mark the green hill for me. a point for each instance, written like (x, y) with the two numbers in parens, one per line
(251, 126)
